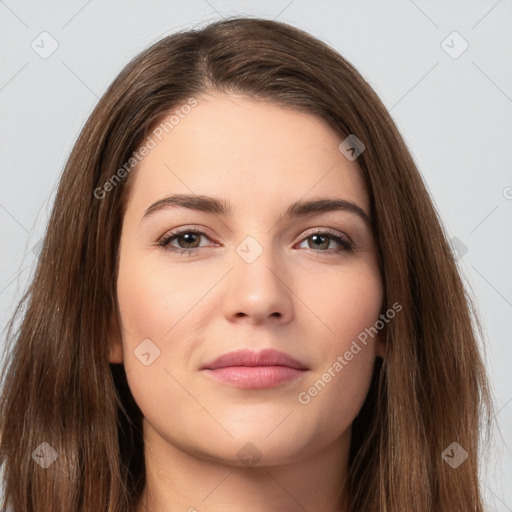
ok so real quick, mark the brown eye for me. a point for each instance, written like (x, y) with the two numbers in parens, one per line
(188, 241)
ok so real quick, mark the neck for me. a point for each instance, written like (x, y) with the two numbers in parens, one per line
(178, 480)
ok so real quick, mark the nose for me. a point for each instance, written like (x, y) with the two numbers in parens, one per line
(258, 291)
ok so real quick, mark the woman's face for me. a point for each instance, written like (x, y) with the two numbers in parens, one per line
(255, 278)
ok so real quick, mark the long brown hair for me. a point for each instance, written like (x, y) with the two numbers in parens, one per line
(58, 386)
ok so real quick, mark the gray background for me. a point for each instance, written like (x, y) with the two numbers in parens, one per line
(454, 112)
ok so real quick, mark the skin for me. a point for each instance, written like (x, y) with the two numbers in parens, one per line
(308, 300)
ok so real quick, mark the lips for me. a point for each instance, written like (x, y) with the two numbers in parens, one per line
(244, 357)
(250, 370)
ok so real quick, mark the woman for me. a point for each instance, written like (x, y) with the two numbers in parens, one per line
(153, 371)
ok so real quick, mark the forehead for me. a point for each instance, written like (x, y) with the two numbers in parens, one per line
(255, 154)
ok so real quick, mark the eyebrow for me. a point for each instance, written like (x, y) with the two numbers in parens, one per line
(221, 207)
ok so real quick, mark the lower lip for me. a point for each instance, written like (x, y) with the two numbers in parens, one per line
(256, 377)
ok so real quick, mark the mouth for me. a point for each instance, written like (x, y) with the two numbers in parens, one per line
(249, 370)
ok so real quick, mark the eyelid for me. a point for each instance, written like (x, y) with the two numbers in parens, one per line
(187, 229)
(328, 231)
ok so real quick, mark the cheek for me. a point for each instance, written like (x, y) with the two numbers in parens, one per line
(145, 312)
(161, 313)
(349, 306)
(149, 306)
(151, 302)
(140, 304)
(344, 302)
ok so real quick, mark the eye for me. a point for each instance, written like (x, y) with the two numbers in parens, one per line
(187, 238)
(321, 240)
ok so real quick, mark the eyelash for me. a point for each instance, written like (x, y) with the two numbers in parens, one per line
(346, 245)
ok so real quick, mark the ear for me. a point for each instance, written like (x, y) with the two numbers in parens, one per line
(116, 343)
(380, 344)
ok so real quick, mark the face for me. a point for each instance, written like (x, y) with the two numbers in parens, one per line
(305, 283)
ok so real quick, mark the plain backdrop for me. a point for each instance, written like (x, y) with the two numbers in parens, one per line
(442, 68)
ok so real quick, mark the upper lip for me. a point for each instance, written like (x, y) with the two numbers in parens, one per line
(245, 357)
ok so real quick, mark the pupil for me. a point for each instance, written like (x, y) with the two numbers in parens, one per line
(186, 237)
(318, 237)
